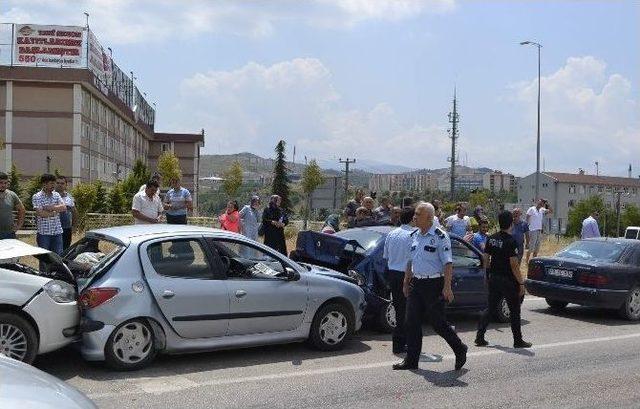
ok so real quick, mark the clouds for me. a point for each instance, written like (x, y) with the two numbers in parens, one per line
(250, 108)
(587, 115)
(144, 21)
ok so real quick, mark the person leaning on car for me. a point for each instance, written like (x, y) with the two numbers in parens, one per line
(500, 254)
(427, 286)
(147, 207)
(9, 201)
(397, 251)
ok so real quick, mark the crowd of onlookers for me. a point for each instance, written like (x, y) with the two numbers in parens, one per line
(56, 215)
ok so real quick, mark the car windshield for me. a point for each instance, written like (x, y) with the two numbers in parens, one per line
(89, 255)
(593, 250)
(365, 237)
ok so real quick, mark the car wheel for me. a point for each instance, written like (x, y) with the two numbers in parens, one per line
(331, 327)
(502, 313)
(131, 346)
(18, 338)
(631, 308)
(555, 304)
(387, 318)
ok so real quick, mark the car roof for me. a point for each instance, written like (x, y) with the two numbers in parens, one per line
(126, 234)
(619, 240)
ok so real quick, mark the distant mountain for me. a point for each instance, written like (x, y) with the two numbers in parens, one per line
(365, 165)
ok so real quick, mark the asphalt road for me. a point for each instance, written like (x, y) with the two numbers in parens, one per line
(582, 358)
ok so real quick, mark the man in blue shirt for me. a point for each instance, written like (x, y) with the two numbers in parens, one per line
(590, 226)
(177, 201)
(520, 232)
(480, 238)
(427, 286)
(458, 223)
(397, 250)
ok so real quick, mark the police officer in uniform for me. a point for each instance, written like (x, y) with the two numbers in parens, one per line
(397, 251)
(427, 285)
(504, 279)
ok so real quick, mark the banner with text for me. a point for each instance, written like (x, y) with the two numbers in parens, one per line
(54, 46)
(99, 61)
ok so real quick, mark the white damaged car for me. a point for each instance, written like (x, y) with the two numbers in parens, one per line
(38, 308)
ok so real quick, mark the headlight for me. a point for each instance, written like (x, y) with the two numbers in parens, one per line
(59, 291)
(357, 276)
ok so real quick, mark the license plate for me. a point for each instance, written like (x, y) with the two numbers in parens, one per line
(559, 272)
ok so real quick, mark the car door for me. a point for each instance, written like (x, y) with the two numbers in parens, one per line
(468, 277)
(190, 292)
(261, 298)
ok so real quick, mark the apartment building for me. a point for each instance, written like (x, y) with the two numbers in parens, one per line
(497, 181)
(410, 182)
(70, 108)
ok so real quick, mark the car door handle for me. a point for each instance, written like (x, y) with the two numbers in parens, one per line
(240, 293)
(168, 294)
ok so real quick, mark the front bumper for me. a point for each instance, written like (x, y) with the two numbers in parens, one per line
(93, 343)
(593, 297)
(54, 321)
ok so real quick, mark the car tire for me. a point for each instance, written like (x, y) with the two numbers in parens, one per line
(556, 305)
(18, 338)
(387, 319)
(331, 327)
(630, 309)
(131, 346)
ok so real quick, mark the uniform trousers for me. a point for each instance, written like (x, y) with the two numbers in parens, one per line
(507, 287)
(425, 297)
(396, 280)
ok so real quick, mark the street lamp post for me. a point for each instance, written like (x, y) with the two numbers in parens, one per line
(538, 132)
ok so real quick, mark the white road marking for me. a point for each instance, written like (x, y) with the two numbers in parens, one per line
(159, 385)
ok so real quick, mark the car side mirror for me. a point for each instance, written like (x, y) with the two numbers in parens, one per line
(291, 274)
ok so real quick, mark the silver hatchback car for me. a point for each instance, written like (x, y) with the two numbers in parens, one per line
(178, 288)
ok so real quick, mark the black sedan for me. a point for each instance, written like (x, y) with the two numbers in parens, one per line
(602, 272)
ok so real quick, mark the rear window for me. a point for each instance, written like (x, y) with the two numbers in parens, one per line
(366, 238)
(607, 251)
(86, 257)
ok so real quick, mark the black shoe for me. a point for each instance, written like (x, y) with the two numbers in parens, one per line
(405, 365)
(481, 342)
(522, 344)
(461, 357)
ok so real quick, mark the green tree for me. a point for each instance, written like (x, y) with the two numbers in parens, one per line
(232, 179)
(478, 198)
(630, 217)
(33, 187)
(117, 202)
(84, 195)
(169, 166)
(14, 180)
(100, 204)
(312, 178)
(138, 177)
(280, 185)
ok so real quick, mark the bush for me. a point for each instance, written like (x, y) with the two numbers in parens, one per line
(84, 195)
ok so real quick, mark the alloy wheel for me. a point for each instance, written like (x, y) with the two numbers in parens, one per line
(132, 342)
(13, 342)
(333, 328)
(633, 305)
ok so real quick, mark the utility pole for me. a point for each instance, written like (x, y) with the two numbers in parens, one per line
(346, 162)
(597, 169)
(453, 119)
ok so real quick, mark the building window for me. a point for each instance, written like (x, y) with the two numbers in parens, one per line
(572, 189)
(165, 147)
(545, 185)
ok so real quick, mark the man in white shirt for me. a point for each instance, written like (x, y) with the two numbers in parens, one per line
(535, 214)
(590, 226)
(458, 223)
(156, 177)
(147, 207)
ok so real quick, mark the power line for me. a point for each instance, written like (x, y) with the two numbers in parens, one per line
(453, 120)
(346, 162)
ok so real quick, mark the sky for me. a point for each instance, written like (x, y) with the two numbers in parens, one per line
(374, 79)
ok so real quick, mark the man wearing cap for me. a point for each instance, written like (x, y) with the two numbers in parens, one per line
(427, 286)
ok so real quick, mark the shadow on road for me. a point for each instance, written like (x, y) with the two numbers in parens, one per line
(588, 314)
(516, 351)
(67, 363)
(449, 379)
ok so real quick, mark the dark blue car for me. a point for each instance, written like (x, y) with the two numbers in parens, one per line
(602, 273)
(357, 253)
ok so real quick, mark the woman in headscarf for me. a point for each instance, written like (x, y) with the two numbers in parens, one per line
(250, 218)
(274, 218)
(332, 224)
(230, 219)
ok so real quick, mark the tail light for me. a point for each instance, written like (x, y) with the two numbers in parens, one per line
(94, 297)
(534, 271)
(593, 280)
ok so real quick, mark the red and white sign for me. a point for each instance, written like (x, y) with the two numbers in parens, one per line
(59, 46)
(99, 60)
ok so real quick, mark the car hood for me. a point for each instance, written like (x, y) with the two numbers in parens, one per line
(25, 386)
(11, 249)
(326, 272)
